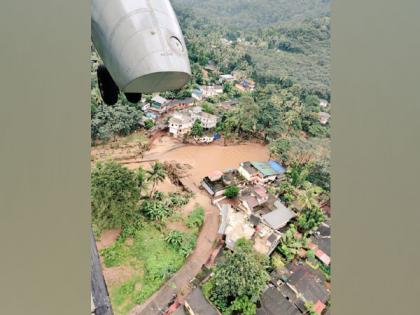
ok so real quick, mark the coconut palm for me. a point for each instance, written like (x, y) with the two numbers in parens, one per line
(141, 175)
(308, 197)
(155, 175)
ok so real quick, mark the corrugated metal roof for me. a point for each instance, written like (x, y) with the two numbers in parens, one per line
(266, 169)
(280, 217)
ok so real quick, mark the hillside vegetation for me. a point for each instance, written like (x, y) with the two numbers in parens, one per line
(272, 40)
(251, 14)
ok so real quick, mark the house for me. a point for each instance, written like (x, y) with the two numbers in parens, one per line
(211, 90)
(228, 104)
(324, 118)
(180, 124)
(236, 226)
(226, 78)
(150, 115)
(208, 121)
(180, 104)
(323, 103)
(266, 240)
(321, 243)
(216, 182)
(246, 85)
(158, 104)
(279, 217)
(251, 197)
(304, 285)
(197, 94)
(211, 66)
(261, 172)
(197, 304)
(274, 303)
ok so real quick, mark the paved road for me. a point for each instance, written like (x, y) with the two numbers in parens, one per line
(180, 283)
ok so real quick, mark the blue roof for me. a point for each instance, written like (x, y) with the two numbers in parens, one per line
(277, 167)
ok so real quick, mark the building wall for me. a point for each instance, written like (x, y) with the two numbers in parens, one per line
(244, 173)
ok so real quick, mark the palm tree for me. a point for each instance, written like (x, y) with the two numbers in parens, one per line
(155, 175)
(308, 198)
(142, 179)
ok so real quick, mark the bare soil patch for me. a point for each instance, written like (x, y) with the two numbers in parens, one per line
(107, 238)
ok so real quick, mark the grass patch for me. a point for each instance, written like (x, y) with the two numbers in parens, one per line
(138, 137)
(153, 260)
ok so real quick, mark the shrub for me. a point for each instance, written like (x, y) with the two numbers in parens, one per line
(231, 192)
(196, 218)
(149, 124)
(114, 195)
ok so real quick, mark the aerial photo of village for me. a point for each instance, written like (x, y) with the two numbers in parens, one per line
(215, 199)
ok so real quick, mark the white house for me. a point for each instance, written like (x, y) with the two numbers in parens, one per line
(226, 78)
(180, 123)
(211, 90)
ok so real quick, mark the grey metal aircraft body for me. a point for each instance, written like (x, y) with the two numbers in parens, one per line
(142, 48)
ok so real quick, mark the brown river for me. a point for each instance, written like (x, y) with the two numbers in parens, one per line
(205, 159)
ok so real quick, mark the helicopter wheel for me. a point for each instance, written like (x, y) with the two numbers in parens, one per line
(133, 97)
(107, 87)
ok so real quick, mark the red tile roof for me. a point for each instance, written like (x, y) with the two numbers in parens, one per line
(319, 307)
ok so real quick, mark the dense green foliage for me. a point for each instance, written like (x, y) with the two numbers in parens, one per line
(231, 192)
(197, 129)
(238, 15)
(118, 120)
(115, 192)
(238, 280)
(275, 41)
(182, 242)
(291, 243)
(196, 218)
(156, 174)
(109, 121)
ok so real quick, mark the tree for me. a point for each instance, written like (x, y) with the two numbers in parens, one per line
(197, 129)
(109, 121)
(149, 124)
(142, 179)
(115, 192)
(208, 107)
(231, 192)
(310, 218)
(155, 175)
(242, 275)
(298, 174)
(291, 243)
(242, 305)
(308, 197)
(246, 115)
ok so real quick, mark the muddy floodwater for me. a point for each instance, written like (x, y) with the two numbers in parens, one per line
(205, 159)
